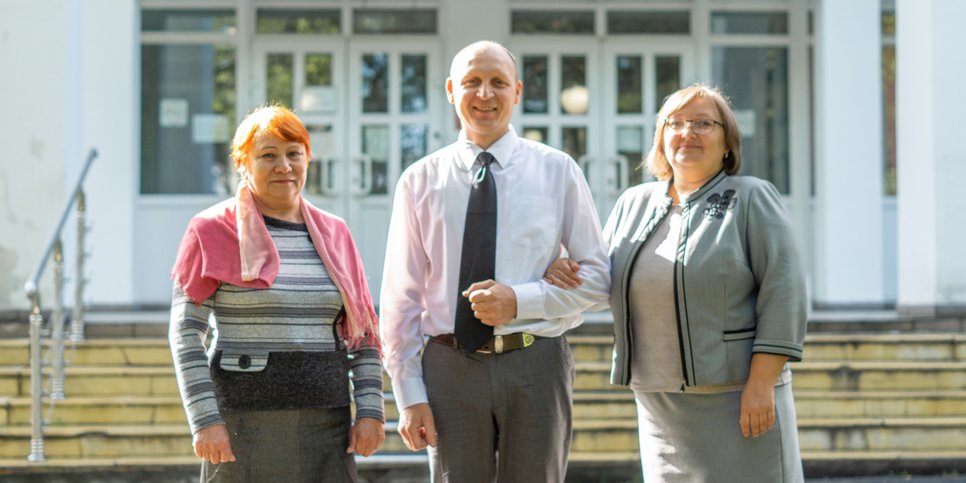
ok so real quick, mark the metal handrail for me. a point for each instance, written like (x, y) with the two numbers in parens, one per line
(55, 247)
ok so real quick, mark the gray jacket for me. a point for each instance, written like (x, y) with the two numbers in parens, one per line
(738, 279)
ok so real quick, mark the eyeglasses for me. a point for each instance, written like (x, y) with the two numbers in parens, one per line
(699, 126)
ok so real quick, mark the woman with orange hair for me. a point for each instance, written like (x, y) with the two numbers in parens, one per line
(282, 284)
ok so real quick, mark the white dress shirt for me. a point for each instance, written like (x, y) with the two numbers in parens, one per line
(543, 202)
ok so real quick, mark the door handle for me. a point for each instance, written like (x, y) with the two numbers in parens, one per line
(325, 179)
(363, 186)
(619, 182)
(584, 162)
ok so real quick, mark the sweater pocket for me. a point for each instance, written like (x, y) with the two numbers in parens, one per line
(242, 361)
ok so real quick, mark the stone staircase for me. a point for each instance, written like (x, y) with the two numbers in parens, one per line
(867, 404)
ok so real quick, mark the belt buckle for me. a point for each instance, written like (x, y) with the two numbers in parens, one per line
(498, 344)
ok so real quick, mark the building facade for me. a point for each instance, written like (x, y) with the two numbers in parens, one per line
(838, 102)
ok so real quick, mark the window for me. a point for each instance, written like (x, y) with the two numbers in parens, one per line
(409, 21)
(552, 22)
(768, 23)
(756, 81)
(645, 22)
(290, 21)
(889, 100)
(754, 76)
(188, 99)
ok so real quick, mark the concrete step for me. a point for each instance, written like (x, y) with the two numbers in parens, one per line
(587, 348)
(949, 347)
(590, 376)
(590, 436)
(882, 434)
(412, 467)
(879, 376)
(863, 404)
(97, 410)
(588, 405)
(97, 381)
(152, 351)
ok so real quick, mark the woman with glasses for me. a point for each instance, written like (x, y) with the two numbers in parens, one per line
(709, 303)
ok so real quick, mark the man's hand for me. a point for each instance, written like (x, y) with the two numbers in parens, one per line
(366, 436)
(493, 303)
(417, 428)
(563, 273)
(211, 443)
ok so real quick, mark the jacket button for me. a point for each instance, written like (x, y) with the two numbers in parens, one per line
(244, 362)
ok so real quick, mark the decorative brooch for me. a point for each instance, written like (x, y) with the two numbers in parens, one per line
(717, 204)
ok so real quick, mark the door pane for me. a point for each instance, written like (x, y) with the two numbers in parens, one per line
(375, 144)
(297, 21)
(552, 22)
(536, 133)
(535, 84)
(414, 83)
(667, 79)
(318, 69)
(574, 98)
(629, 100)
(648, 22)
(392, 21)
(574, 141)
(187, 118)
(412, 143)
(375, 82)
(279, 73)
(320, 176)
(630, 144)
(756, 81)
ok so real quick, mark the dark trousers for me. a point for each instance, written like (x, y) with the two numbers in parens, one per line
(296, 445)
(500, 417)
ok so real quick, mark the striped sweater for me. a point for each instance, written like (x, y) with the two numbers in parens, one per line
(274, 348)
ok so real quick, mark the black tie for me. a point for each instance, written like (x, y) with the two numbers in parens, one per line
(478, 257)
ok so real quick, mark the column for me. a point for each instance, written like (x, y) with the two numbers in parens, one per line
(848, 268)
(931, 158)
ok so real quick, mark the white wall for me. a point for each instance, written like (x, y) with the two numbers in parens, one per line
(848, 239)
(930, 64)
(111, 86)
(32, 132)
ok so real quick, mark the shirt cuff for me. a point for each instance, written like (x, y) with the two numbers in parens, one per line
(529, 300)
(408, 392)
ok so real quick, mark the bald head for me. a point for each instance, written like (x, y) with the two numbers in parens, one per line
(463, 57)
(483, 86)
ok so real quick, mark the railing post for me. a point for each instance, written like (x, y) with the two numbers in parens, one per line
(56, 349)
(77, 319)
(36, 385)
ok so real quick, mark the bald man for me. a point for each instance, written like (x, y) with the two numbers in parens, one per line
(480, 369)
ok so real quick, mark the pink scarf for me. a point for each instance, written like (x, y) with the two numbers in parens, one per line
(229, 243)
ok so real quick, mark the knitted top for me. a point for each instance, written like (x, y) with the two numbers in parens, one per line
(272, 348)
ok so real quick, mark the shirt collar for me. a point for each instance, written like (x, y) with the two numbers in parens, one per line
(502, 149)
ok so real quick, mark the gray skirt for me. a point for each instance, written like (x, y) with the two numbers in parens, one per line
(294, 445)
(696, 438)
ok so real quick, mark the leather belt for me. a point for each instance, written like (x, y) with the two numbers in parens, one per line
(498, 344)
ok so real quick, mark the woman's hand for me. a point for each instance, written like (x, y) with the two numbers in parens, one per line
(757, 409)
(211, 443)
(757, 414)
(563, 273)
(366, 436)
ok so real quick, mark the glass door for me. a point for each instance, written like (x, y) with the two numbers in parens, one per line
(308, 77)
(561, 102)
(641, 75)
(395, 100)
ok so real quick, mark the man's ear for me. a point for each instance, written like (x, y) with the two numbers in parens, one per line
(519, 92)
(449, 90)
